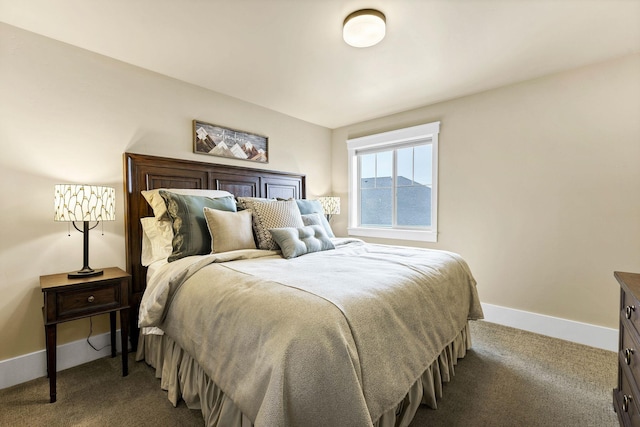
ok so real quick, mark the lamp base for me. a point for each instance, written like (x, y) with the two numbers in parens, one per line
(84, 273)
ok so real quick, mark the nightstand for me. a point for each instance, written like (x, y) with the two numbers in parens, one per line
(70, 299)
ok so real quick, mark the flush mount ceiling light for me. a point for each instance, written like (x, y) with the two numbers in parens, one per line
(364, 28)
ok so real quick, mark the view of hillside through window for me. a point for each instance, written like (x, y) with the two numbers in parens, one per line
(412, 174)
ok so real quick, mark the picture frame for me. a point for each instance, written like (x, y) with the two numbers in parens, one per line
(216, 140)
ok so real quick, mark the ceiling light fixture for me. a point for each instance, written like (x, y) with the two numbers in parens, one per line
(364, 28)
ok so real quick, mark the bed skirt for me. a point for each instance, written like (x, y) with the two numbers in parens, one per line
(182, 377)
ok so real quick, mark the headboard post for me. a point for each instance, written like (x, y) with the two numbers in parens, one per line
(143, 172)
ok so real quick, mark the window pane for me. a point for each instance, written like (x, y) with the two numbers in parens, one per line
(414, 206)
(375, 204)
(376, 195)
(405, 167)
(422, 164)
(368, 170)
(384, 168)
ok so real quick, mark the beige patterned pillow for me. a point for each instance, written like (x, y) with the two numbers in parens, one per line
(269, 214)
(244, 202)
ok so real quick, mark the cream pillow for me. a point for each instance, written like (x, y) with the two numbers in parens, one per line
(229, 231)
(156, 240)
(159, 206)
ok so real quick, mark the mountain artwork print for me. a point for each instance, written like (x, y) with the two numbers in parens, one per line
(223, 142)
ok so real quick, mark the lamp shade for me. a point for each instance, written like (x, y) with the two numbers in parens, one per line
(330, 205)
(75, 202)
(364, 28)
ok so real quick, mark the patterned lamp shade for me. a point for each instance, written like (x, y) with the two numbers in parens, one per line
(330, 205)
(75, 202)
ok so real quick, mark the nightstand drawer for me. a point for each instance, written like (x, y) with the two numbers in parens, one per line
(89, 300)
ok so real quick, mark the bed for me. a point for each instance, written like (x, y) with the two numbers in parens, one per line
(348, 334)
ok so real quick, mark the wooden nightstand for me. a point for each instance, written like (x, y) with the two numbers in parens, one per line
(70, 299)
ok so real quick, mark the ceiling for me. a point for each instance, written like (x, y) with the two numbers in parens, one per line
(289, 56)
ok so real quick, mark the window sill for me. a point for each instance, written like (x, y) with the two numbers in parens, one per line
(396, 234)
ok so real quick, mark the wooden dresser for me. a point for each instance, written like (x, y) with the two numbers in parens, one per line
(626, 397)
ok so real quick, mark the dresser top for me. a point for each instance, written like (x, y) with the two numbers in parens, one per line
(629, 280)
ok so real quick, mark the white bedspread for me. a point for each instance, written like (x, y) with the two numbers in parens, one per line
(329, 338)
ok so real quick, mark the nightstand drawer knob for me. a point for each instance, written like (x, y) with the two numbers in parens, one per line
(91, 299)
(628, 310)
(627, 355)
(625, 403)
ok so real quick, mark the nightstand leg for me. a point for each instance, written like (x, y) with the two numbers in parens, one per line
(51, 360)
(112, 319)
(124, 335)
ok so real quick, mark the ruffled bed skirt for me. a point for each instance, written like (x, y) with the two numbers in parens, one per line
(183, 378)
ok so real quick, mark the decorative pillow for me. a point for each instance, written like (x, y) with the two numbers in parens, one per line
(156, 240)
(299, 241)
(269, 214)
(318, 219)
(229, 231)
(243, 202)
(309, 206)
(190, 233)
(159, 206)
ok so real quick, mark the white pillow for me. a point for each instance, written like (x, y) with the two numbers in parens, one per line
(156, 240)
(160, 208)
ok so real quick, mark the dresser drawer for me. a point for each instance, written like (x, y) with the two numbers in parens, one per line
(88, 300)
(630, 310)
(627, 405)
(629, 353)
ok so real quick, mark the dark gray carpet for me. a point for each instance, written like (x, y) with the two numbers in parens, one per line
(509, 378)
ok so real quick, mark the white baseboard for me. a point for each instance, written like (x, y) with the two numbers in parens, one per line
(569, 330)
(34, 365)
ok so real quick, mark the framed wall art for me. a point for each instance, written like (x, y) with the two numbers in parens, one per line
(224, 142)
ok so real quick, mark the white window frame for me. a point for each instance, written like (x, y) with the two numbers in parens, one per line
(392, 140)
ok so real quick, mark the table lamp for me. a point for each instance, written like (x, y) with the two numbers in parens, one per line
(330, 205)
(76, 202)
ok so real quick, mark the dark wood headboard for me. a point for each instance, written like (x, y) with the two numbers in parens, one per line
(142, 172)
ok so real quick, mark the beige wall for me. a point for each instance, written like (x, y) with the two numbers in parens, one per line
(68, 115)
(539, 187)
(539, 182)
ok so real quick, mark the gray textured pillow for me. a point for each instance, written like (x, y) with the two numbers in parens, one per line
(268, 214)
(299, 241)
(229, 231)
(318, 219)
(190, 233)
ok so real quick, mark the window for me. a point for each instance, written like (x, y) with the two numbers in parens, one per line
(393, 184)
